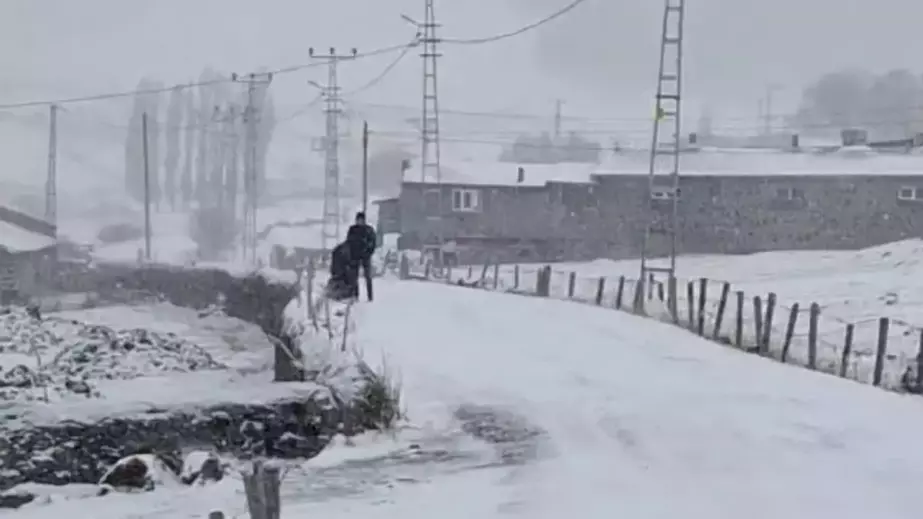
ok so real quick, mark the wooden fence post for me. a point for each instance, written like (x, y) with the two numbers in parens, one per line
(673, 303)
(540, 282)
(516, 277)
(812, 335)
(600, 290)
(739, 324)
(703, 299)
(637, 305)
(847, 349)
(789, 331)
(620, 291)
(470, 271)
(767, 323)
(261, 487)
(883, 325)
(919, 381)
(571, 285)
(404, 271)
(690, 304)
(546, 281)
(496, 275)
(758, 319)
(722, 305)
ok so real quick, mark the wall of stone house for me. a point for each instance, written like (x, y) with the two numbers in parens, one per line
(504, 211)
(747, 214)
(717, 214)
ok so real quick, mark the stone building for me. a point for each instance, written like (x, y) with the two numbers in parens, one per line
(729, 202)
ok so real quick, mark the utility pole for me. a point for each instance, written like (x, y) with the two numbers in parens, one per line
(147, 188)
(663, 179)
(251, 182)
(365, 167)
(558, 105)
(333, 110)
(430, 152)
(51, 180)
(771, 89)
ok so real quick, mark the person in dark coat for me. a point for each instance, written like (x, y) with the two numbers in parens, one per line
(344, 278)
(362, 242)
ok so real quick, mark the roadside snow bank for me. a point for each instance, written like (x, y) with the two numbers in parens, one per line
(153, 394)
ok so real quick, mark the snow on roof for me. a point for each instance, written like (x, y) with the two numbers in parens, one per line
(16, 239)
(705, 162)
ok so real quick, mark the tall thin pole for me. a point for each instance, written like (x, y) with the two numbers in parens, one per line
(51, 180)
(252, 185)
(330, 223)
(365, 166)
(147, 188)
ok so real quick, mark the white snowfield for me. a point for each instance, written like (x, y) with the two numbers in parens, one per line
(642, 420)
(855, 287)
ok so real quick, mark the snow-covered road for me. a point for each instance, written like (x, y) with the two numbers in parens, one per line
(640, 420)
(645, 420)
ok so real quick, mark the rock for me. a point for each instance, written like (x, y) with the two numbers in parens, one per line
(72, 452)
(202, 467)
(138, 472)
(15, 499)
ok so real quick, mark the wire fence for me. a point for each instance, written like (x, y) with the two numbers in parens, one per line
(885, 351)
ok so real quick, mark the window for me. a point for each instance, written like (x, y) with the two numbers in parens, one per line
(664, 193)
(789, 193)
(910, 193)
(465, 200)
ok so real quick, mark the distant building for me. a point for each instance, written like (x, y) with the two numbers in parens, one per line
(729, 202)
(27, 252)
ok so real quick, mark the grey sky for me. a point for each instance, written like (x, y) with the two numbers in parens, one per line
(601, 58)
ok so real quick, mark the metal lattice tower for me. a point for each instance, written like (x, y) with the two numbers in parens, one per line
(251, 182)
(430, 153)
(663, 179)
(333, 110)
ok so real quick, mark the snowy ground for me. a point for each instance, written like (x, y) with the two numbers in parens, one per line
(640, 419)
(855, 287)
(193, 359)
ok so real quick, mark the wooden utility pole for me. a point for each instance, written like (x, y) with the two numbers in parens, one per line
(365, 166)
(147, 188)
(51, 180)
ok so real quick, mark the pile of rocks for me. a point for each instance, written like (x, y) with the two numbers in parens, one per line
(59, 357)
(138, 472)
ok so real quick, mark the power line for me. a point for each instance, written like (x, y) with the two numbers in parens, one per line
(387, 70)
(184, 86)
(534, 25)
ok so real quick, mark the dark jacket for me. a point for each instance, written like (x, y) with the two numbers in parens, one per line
(341, 264)
(343, 273)
(362, 241)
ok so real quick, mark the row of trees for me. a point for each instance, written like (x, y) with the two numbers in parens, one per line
(197, 143)
(888, 106)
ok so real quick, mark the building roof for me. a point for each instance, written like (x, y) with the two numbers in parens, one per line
(15, 239)
(855, 161)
